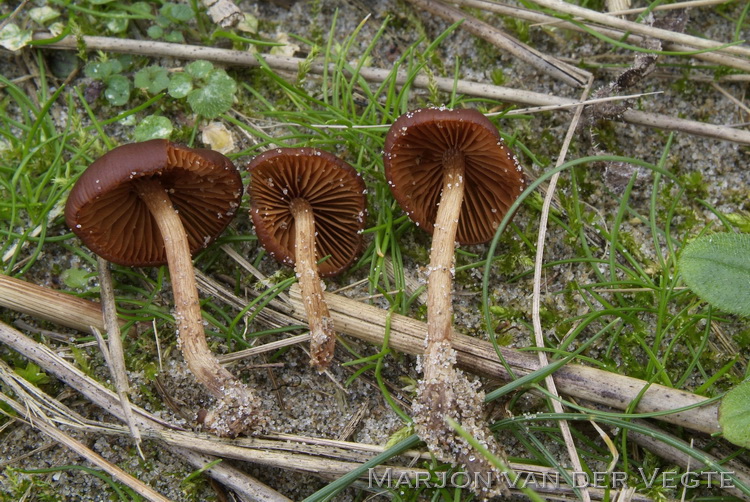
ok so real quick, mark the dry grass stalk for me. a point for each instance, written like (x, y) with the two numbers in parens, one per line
(542, 62)
(678, 457)
(36, 418)
(478, 356)
(262, 349)
(323, 457)
(648, 31)
(291, 64)
(272, 318)
(536, 296)
(407, 335)
(543, 19)
(50, 305)
(53, 364)
(115, 351)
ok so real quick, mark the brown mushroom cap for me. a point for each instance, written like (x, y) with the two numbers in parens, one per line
(332, 187)
(413, 157)
(105, 211)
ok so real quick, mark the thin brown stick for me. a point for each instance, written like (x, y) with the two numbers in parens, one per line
(116, 357)
(478, 356)
(542, 62)
(283, 63)
(108, 401)
(543, 19)
(37, 419)
(649, 31)
(50, 305)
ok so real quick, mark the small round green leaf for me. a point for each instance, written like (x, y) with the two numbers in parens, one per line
(199, 69)
(216, 97)
(152, 78)
(175, 37)
(75, 278)
(734, 415)
(180, 85)
(717, 268)
(155, 32)
(177, 11)
(117, 24)
(153, 127)
(118, 90)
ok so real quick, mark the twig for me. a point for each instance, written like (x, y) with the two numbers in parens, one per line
(108, 400)
(49, 304)
(242, 262)
(537, 294)
(691, 4)
(543, 19)
(478, 356)
(115, 352)
(649, 31)
(240, 58)
(40, 421)
(261, 349)
(545, 64)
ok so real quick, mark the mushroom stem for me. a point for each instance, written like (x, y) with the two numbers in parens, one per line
(437, 394)
(440, 280)
(322, 336)
(198, 356)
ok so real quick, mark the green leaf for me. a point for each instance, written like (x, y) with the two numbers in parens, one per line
(717, 268)
(741, 220)
(101, 70)
(14, 38)
(216, 97)
(734, 415)
(152, 78)
(117, 24)
(43, 15)
(153, 127)
(33, 374)
(142, 8)
(180, 85)
(75, 278)
(175, 37)
(155, 32)
(177, 12)
(199, 69)
(118, 90)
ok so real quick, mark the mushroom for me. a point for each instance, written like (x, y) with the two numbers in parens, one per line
(455, 178)
(157, 202)
(308, 204)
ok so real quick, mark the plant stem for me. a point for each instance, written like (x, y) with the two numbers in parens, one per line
(322, 335)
